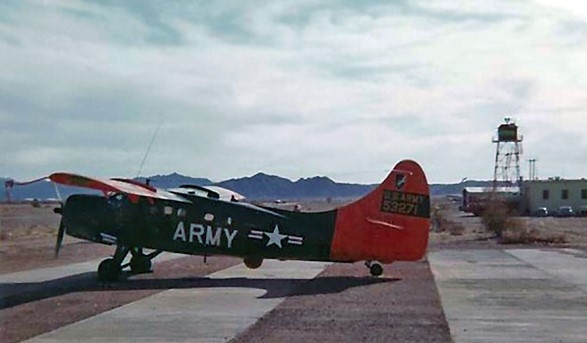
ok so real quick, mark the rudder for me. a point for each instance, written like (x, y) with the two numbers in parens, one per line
(389, 224)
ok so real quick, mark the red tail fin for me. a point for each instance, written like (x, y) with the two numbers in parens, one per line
(389, 224)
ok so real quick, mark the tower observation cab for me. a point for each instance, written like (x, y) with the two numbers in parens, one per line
(507, 133)
(507, 155)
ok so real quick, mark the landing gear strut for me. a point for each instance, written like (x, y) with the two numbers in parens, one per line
(139, 262)
(110, 269)
(375, 268)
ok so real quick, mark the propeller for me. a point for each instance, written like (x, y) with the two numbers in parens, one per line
(60, 233)
(59, 241)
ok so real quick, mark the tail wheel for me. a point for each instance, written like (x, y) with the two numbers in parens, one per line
(253, 262)
(375, 268)
(109, 270)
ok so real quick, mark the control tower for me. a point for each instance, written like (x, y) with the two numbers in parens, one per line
(507, 155)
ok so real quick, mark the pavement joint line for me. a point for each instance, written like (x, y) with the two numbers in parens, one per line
(567, 271)
(213, 314)
(514, 295)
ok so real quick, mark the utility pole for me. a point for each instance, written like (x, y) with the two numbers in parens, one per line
(532, 169)
(8, 184)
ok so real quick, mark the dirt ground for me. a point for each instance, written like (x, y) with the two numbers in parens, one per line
(23, 223)
(466, 229)
(341, 304)
(28, 235)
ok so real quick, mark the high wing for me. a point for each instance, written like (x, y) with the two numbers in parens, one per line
(130, 187)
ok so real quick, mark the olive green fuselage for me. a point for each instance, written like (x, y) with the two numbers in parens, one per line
(201, 226)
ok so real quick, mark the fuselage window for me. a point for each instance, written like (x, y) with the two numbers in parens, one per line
(181, 212)
(168, 210)
(209, 217)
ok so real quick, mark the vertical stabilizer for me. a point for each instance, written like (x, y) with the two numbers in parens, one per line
(389, 224)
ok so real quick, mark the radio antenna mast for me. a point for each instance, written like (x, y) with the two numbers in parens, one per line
(149, 147)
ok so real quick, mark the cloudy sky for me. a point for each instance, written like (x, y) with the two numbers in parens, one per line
(294, 88)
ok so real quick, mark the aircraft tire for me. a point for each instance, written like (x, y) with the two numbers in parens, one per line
(253, 262)
(376, 269)
(109, 270)
(140, 264)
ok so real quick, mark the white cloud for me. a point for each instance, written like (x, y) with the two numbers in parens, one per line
(571, 8)
(296, 89)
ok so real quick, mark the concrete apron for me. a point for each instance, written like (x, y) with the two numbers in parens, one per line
(518, 295)
(39, 281)
(54, 273)
(215, 314)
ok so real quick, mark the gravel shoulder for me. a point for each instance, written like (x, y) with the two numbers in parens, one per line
(343, 304)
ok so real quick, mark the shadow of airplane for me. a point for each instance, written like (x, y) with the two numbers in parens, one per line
(13, 294)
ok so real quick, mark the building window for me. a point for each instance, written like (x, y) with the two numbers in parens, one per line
(584, 194)
(565, 194)
(545, 194)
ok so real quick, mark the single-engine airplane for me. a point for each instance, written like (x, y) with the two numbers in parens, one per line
(389, 224)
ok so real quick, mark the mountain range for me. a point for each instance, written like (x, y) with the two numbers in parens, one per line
(260, 186)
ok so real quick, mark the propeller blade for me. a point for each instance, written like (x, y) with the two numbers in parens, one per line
(60, 235)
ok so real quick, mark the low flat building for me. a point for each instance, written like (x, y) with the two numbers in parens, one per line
(554, 193)
(477, 199)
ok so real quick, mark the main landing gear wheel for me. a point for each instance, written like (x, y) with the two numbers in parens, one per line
(253, 262)
(109, 270)
(140, 264)
(375, 268)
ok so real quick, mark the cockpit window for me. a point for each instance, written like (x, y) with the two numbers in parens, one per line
(116, 196)
(116, 199)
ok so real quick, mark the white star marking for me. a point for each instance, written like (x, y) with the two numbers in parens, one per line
(275, 237)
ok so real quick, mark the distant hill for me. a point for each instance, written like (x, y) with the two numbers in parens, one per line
(263, 186)
(260, 186)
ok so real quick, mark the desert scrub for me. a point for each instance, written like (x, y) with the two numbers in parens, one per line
(514, 230)
(439, 223)
(518, 232)
(496, 218)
